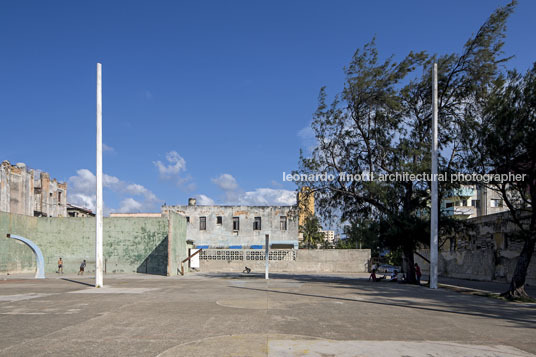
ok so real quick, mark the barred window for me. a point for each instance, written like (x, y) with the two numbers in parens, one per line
(283, 223)
(257, 224)
(203, 223)
(236, 223)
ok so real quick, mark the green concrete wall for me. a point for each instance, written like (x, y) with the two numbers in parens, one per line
(131, 244)
(178, 250)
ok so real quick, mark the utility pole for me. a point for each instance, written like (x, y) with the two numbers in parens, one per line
(99, 226)
(434, 208)
(266, 255)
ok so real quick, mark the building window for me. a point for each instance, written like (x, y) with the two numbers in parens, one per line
(449, 204)
(464, 203)
(59, 197)
(219, 220)
(475, 203)
(202, 223)
(236, 223)
(495, 202)
(187, 219)
(257, 224)
(283, 223)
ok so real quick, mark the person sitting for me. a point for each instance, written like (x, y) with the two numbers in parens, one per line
(394, 276)
(373, 276)
(246, 270)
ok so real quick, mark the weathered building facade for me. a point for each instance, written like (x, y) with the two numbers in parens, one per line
(487, 250)
(77, 211)
(22, 192)
(238, 226)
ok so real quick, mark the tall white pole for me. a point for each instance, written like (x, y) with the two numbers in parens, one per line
(99, 227)
(266, 255)
(434, 208)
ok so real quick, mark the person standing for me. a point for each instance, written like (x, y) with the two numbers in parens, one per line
(60, 266)
(82, 267)
(418, 273)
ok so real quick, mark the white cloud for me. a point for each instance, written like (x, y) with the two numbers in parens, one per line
(259, 197)
(130, 205)
(268, 197)
(226, 182)
(308, 138)
(82, 200)
(82, 187)
(84, 182)
(107, 148)
(111, 182)
(171, 170)
(204, 200)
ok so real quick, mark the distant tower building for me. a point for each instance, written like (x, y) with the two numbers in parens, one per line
(306, 207)
(306, 204)
(329, 236)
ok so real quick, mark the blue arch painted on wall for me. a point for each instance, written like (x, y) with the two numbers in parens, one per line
(40, 273)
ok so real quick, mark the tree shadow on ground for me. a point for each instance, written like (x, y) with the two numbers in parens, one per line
(385, 293)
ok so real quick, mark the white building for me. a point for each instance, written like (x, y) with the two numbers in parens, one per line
(471, 201)
(329, 236)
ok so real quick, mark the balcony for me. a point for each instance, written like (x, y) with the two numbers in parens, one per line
(460, 211)
(465, 191)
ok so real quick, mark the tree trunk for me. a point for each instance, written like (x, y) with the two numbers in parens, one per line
(517, 285)
(410, 265)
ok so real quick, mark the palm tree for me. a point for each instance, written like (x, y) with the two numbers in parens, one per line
(311, 232)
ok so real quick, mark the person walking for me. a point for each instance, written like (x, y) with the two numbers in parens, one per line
(60, 266)
(82, 267)
(418, 273)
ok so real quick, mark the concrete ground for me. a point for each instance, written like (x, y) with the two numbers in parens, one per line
(245, 315)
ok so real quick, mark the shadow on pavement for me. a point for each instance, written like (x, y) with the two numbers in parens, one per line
(393, 294)
(78, 282)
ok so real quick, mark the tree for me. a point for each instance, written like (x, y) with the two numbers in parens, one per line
(380, 124)
(500, 137)
(363, 234)
(312, 236)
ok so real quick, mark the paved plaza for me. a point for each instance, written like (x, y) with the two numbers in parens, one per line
(245, 315)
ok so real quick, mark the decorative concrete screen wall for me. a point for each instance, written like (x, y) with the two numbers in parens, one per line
(142, 244)
(286, 260)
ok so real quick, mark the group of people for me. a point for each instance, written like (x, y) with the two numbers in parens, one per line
(80, 272)
(396, 276)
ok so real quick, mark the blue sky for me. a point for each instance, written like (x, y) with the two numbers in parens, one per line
(207, 99)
